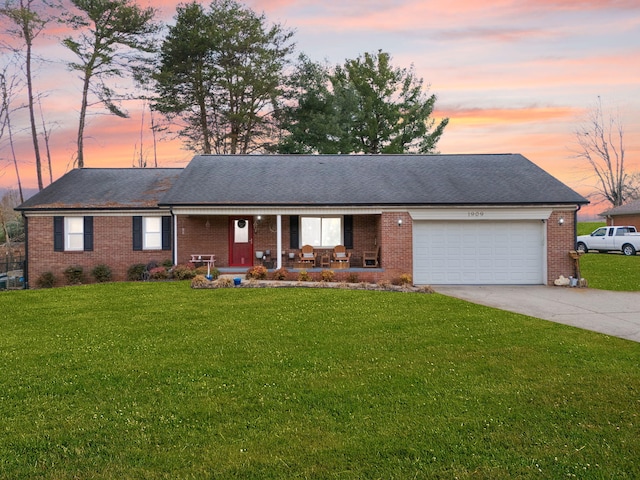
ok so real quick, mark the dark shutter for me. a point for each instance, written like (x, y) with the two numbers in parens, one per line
(58, 234)
(348, 231)
(88, 234)
(137, 233)
(166, 233)
(294, 242)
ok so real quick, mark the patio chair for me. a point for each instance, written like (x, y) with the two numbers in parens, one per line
(341, 255)
(370, 259)
(307, 255)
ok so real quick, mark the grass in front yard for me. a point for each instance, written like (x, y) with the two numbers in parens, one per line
(155, 380)
(611, 271)
(585, 228)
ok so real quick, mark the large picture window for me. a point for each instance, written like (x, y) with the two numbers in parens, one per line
(321, 231)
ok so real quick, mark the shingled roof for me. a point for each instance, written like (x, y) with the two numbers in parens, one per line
(105, 188)
(631, 208)
(332, 180)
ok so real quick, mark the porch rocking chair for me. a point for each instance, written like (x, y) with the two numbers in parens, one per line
(341, 255)
(307, 255)
(370, 259)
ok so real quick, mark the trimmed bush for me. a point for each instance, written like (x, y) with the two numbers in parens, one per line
(158, 273)
(74, 274)
(280, 274)
(184, 272)
(46, 280)
(303, 276)
(102, 273)
(168, 263)
(257, 272)
(136, 272)
(327, 276)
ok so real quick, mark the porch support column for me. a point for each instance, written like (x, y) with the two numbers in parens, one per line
(279, 241)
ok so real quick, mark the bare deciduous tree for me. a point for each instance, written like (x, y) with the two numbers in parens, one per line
(6, 88)
(29, 23)
(601, 143)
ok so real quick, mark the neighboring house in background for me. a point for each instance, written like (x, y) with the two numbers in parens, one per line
(627, 214)
(444, 219)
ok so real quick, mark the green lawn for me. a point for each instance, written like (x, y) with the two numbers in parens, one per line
(609, 271)
(585, 228)
(156, 380)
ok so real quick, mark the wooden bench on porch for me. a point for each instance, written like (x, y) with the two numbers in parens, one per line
(208, 259)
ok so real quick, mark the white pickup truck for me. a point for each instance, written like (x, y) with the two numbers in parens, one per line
(623, 239)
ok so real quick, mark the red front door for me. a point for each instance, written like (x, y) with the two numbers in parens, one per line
(241, 242)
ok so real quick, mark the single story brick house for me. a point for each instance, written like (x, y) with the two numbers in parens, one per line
(627, 214)
(444, 219)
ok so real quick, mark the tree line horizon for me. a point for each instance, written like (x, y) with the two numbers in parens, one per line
(227, 81)
(224, 80)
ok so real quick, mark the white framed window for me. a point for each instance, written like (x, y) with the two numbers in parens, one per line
(73, 234)
(152, 233)
(321, 231)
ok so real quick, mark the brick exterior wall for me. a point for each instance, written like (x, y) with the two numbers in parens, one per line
(624, 220)
(396, 253)
(560, 240)
(112, 246)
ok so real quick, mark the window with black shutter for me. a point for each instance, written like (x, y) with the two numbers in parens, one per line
(294, 241)
(137, 233)
(348, 231)
(58, 234)
(166, 233)
(88, 234)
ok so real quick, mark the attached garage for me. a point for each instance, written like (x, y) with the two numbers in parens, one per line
(479, 252)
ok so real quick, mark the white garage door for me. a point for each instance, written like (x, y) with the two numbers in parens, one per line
(478, 252)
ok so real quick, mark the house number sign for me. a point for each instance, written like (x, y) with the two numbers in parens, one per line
(475, 214)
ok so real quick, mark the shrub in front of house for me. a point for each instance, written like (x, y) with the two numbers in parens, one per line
(303, 276)
(46, 280)
(327, 276)
(201, 270)
(184, 272)
(258, 272)
(204, 271)
(280, 274)
(200, 281)
(101, 273)
(168, 263)
(74, 274)
(136, 272)
(158, 273)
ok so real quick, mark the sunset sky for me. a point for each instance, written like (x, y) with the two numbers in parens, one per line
(512, 76)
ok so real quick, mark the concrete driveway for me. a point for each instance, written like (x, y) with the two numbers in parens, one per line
(612, 313)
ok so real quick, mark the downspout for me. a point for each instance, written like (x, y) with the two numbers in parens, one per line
(25, 266)
(575, 226)
(576, 264)
(175, 237)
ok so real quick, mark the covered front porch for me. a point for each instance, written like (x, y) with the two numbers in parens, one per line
(240, 239)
